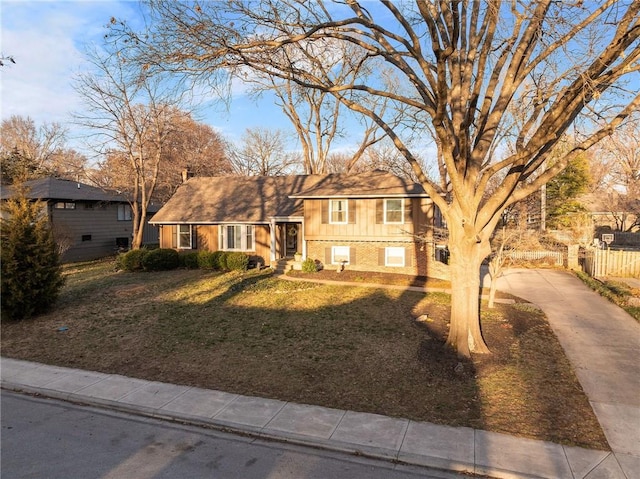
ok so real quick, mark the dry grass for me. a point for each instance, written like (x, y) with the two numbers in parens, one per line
(354, 348)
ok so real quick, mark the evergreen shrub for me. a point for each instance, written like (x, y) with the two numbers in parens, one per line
(132, 260)
(161, 259)
(309, 266)
(189, 260)
(206, 260)
(237, 261)
(31, 275)
(221, 260)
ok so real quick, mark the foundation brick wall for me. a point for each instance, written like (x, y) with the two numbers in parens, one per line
(369, 257)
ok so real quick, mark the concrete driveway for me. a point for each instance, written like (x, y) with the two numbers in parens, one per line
(602, 342)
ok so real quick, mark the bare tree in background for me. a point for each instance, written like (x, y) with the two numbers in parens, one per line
(132, 116)
(316, 115)
(460, 65)
(262, 152)
(615, 167)
(30, 151)
(194, 148)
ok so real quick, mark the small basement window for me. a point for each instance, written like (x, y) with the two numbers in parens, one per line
(86, 237)
(394, 256)
(64, 205)
(340, 255)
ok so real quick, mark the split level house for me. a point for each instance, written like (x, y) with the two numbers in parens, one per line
(87, 222)
(373, 221)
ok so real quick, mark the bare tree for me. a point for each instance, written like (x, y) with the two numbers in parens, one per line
(460, 65)
(132, 115)
(262, 152)
(615, 167)
(29, 151)
(193, 148)
(316, 115)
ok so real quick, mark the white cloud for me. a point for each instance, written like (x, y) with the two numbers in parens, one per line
(46, 41)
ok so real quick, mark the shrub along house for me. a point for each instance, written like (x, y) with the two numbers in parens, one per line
(373, 221)
(87, 222)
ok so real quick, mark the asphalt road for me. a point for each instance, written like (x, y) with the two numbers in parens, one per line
(43, 438)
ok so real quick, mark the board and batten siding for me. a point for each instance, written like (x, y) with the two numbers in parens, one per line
(91, 227)
(365, 224)
(367, 236)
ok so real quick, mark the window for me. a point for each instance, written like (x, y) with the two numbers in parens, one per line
(394, 211)
(394, 256)
(61, 205)
(237, 238)
(124, 213)
(86, 237)
(184, 237)
(338, 211)
(340, 255)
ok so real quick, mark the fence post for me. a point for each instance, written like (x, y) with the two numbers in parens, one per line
(572, 257)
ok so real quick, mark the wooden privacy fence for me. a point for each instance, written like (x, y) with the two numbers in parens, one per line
(558, 257)
(602, 262)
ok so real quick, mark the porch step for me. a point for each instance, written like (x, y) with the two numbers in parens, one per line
(287, 264)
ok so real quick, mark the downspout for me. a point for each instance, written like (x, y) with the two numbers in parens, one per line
(304, 242)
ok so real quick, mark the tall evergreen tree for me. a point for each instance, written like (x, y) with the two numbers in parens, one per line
(31, 270)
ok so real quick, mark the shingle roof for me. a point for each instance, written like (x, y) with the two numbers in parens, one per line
(256, 199)
(56, 189)
(372, 184)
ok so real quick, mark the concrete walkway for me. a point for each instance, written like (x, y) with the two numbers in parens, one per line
(600, 339)
(602, 342)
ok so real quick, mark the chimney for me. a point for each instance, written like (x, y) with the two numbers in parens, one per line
(186, 174)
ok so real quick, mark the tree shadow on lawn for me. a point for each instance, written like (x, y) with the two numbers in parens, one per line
(353, 348)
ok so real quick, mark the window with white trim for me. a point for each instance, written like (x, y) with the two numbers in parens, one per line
(185, 237)
(340, 255)
(124, 213)
(394, 256)
(237, 238)
(338, 211)
(394, 211)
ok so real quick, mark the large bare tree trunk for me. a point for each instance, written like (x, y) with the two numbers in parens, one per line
(466, 258)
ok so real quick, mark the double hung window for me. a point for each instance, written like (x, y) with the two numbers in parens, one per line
(338, 211)
(237, 238)
(185, 240)
(124, 213)
(394, 211)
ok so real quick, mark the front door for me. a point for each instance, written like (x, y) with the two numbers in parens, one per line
(292, 239)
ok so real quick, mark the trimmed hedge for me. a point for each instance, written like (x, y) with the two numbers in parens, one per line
(237, 261)
(221, 260)
(189, 260)
(167, 258)
(132, 260)
(161, 259)
(206, 260)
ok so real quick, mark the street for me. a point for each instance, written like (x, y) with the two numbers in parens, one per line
(43, 438)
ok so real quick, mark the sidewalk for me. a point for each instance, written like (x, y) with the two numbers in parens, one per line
(419, 443)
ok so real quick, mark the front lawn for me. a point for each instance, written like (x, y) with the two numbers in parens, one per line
(356, 348)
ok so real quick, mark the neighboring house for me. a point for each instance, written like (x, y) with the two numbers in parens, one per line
(87, 222)
(373, 221)
(608, 212)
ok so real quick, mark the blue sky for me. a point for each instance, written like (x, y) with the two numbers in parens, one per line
(47, 40)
